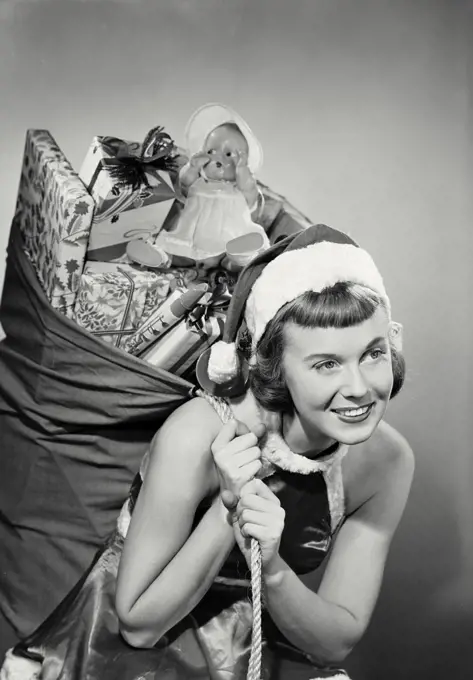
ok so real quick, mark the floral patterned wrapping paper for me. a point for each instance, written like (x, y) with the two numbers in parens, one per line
(54, 214)
(115, 299)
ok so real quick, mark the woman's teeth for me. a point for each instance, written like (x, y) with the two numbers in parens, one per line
(351, 413)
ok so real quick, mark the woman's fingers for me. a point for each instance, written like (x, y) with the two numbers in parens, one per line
(227, 433)
(227, 442)
(252, 502)
(241, 428)
(242, 458)
(255, 507)
(257, 531)
(250, 470)
(270, 521)
(257, 488)
(236, 456)
(238, 435)
(229, 499)
(259, 429)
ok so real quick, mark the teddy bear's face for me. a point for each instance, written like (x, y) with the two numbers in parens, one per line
(224, 146)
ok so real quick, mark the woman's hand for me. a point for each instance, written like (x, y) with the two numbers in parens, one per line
(259, 515)
(237, 458)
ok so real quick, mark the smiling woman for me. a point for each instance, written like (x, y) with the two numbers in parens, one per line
(296, 459)
(356, 366)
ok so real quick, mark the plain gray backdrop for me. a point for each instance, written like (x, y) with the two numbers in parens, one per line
(363, 108)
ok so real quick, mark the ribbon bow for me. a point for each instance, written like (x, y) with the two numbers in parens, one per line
(215, 301)
(158, 152)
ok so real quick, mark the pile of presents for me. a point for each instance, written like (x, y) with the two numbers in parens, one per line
(76, 228)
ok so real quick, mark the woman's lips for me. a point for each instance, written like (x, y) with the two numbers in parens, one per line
(354, 415)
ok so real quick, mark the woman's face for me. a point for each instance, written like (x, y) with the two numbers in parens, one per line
(340, 379)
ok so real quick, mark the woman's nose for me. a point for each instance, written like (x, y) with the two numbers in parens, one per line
(355, 384)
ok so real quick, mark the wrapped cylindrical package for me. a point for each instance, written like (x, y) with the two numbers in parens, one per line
(179, 349)
(177, 305)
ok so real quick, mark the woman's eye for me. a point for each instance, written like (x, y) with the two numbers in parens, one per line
(326, 365)
(376, 354)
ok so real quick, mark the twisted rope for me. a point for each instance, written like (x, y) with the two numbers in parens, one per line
(254, 666)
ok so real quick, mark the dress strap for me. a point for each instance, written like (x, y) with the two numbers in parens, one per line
(335, 489)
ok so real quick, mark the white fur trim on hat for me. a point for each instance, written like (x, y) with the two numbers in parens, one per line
(223, 362)
(312, 268)
(211, 116)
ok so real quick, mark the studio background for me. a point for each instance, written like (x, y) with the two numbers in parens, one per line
(364, 113)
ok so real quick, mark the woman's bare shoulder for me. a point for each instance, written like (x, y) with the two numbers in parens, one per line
(384, 460)
(183, 443)
(194, 424)
(389, 446)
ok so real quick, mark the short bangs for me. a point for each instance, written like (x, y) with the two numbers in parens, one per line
(340, 306)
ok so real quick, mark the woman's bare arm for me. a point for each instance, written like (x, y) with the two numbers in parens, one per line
(165, 569)
(328, 624)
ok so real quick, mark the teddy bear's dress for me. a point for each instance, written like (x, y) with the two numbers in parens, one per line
(215, 212)
(80, 640)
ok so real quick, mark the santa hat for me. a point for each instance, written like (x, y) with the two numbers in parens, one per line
(314, 259)
(211, 116)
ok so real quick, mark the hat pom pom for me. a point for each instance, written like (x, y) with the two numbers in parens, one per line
(223, 363)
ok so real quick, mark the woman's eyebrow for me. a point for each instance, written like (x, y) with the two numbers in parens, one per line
(324, 355)
(376, 341)
(311, 357)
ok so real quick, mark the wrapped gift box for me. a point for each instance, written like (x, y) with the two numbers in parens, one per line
(111, 304)
(108, 239)
(54, 214)
(115, 299)
(124, 211)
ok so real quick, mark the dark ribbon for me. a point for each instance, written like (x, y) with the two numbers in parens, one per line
(158, 152)
(217, 300)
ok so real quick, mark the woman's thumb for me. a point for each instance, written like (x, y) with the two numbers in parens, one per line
(229, 499)
(259, 429)
(241, 428)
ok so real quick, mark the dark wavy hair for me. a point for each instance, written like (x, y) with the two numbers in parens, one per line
(340, 306)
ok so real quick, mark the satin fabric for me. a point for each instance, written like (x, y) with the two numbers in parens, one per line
(76, 418)
(81, 638)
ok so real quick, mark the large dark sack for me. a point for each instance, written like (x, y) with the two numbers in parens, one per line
(76, 416)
